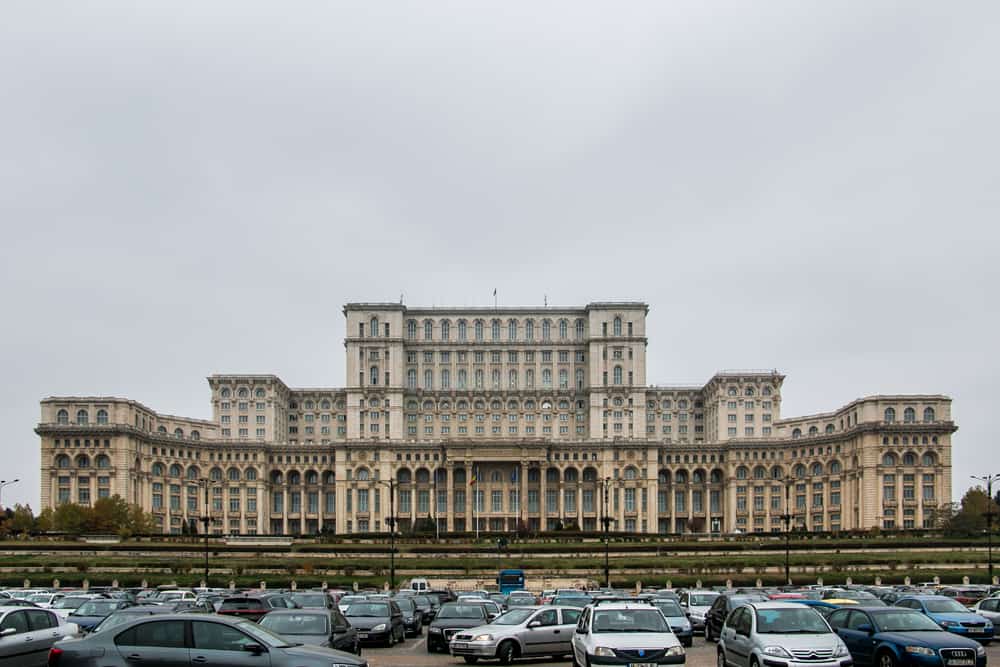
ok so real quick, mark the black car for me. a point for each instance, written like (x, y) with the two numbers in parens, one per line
(413, 619)
(377, 621)
(313, 600)
(716, 615)
(253, 606)
(92, 612)
(315, 627)
(426, 606)
(452, 617)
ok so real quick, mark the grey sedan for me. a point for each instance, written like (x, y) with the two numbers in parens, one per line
(27, 634)
(316, 627)
(182, 640)
(521, 632)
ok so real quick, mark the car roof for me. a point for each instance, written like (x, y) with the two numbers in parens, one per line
(18, 607)
(774, 604)
(300, 612)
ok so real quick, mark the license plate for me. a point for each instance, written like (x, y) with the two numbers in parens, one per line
(362, 635)
(643, 664)
(976, 631)
(961, 663)
(459, 645)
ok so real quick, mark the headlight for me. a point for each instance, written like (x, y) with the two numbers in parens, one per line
(379, 628)
(483, 638)
(989, 625)
(604, 652)
(675, 650)
(981, 651)
(947, 624)
(840, 651)
(920, 650)
(776, 651)
(434, 631)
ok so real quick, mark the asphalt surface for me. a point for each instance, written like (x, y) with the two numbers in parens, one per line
(414, 652)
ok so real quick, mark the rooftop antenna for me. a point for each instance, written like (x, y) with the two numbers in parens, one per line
(546, 300)
(401, 298)
(495, 299)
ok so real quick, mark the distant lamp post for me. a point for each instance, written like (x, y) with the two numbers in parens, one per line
(3, 483)
(391, 522)
(205, 520)
(787, 519)
(606, 520)
(988, 480)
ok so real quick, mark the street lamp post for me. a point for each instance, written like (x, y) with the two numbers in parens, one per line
(989, 479)
(787, 518)
(391, 522)
(606, 520)
(3, 483)
(205, 519)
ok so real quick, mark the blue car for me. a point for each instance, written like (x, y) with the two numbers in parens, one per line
(951, 616)
(822, 606)
(898, 637)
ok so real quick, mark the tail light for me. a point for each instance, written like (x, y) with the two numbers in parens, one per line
(55, 655)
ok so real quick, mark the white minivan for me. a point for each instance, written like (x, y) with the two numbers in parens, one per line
(419, 585)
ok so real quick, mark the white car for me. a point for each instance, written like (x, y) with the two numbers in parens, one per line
(45, 600)
(175, 596)
(27, 634)
(614, 631)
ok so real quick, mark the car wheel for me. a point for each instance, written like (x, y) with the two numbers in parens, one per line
(573, 658)
(470, 659)
(886, 659)
(505, 652)
(720, 660)
(754, 663)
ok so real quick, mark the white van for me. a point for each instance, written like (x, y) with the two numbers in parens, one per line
(419, 585)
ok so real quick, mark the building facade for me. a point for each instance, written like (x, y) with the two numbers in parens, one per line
(504, 419)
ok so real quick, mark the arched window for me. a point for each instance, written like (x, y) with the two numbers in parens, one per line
(698, 477)
(192, 472)
(428, 379)
(225, 393)
(260, 393)
(909, 416)
(243, 393)
(276, 477)
(162, 429)
(759, 472)
(616, 326)
(82, 461)
(563, 378)
(195, 435)
(732, 391)
(929, 459)
(889, 459)
(546, 330)
(552, 475)
(102, 416)
(411, 379)
(800, 471)
(411, 329)
(579, 378)
(495, 329)
(777, 472)
(890, 415)
(512, 379)
(445, 330)
(631, 472)
(329, 477)
(928, 414)
(909, 459)
(663, 477)
(817, 469)
(589, 474)
(233, 475)
(428, 330)
(495, 378)
(835, 468)
(82, 417)
(178, 433)
(571, 475)
(529, 330)
(748, 391)
(766, 390)
(463, 330)
(563, 329)
(579, 329)
(512, 330)
(62, 461)
(479, 329)
(373, 327)
(157, 470)
(363, 475)
(546, 378)
(215, 474)
(495, 476)
(62, 417)
(479, 378)
(741, 472)
(312, 477)
(617, 375)
(250, 475)
(404, 476)
(175, 470)
(813, 431)
(681, 477)
(716, 477)
(463, 378)
(373, 375)
(797, 433)
(829, 428)
(445, 378)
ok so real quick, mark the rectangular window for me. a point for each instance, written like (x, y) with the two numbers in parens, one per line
(588, 500)
(404, 502)
(551, 501)
(496, 501)
(629, 500)
(680, 502)
(295, 501)
(532, 501)
(569, 501)
(277, 502)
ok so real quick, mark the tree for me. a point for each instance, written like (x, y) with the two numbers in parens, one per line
(22, 519)
(71, 518)
(970, 516)
(109, 515)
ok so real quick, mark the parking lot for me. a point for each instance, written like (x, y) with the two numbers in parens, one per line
(414, 652)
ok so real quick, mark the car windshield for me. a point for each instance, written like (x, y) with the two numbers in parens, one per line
(39, 598)
(263, 635)
(905, 621)
(790, 622)
(296, 624)
(315, 600)
(422, 600)
(513, 617)
(945, 606)
(371, 609)
(702, 599)
(669, 608)
(118, 618)
(69, 603)
(406, 604)
(96, 608)
(571, 601)
(629, 620)
(462, 611)
(351, 599)
(856, 595)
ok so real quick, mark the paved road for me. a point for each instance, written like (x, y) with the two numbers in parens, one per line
(414, 652)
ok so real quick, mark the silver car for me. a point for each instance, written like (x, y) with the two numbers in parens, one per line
(520, 633)
(696, 604)
(989, 609)
(26, 635)
(767, 633)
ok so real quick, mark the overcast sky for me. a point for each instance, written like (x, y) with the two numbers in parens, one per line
(192, 188)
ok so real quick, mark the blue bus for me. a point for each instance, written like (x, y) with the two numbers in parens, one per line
(510, 580)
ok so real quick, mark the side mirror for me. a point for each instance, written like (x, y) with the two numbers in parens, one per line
(534, 624)
(8, 632)
(866, 627)
(256, 649)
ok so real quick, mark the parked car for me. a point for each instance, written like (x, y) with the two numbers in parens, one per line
(413, 618)
(624, 632)
(766, 633)
(314, 627)
(377, 621)
(26, 635)
(964, 595)
(253, 607)
(520, 633)
(92, 612)
(313, 600)
(676, 619)
(202, 640)
(521, 599)
(45, 600)
(123, 616)
(989, 609)
(951, 616)
(347, 600)
(452, 617)
(425, 603)
(66, 605)
(578, 601)
(696, 604)
(723, 605)
(824, 607)
(895, 636)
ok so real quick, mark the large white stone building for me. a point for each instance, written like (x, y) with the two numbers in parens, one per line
(515, 418)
